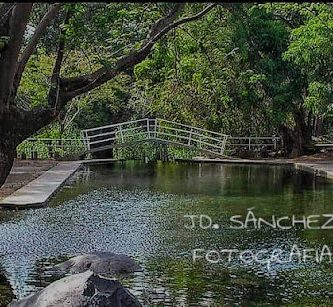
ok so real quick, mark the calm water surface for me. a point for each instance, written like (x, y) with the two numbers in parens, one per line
(138, 209)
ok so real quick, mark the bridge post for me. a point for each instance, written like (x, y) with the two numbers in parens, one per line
(190, 137)
(155, 128)
(121, 134)
(148, 129)
(223, 145)
(87, 143)
(274, 142)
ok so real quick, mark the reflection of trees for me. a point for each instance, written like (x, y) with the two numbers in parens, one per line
(186, 284)
(271, 190)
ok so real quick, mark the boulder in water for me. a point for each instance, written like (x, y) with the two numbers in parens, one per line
(103, 263)
(81, 290)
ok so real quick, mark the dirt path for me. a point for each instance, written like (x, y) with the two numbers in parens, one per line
(23, 172)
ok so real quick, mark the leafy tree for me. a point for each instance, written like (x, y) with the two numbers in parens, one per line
(247, 69)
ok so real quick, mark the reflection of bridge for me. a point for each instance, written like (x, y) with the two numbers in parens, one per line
(161, 131)
(155, 130)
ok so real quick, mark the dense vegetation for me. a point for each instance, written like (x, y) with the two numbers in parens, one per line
(243, 69)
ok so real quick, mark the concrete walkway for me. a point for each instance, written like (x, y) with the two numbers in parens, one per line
(40, 190)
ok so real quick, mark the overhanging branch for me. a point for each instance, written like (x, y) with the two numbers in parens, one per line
(40, 30)
(73, 87)
(8, 61)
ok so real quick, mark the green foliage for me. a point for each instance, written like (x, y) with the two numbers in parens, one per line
(34, 85)
(311, 43)
(319, 98)
(200, 75)
(140, 149)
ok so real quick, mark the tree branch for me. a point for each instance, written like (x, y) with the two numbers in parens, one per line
(53, 96)
(73, 87)
(40, 30)
(9, 56)
(5, 12)
(163, 22)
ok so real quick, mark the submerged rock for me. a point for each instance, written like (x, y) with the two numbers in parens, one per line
(103, 263)
(81, 290)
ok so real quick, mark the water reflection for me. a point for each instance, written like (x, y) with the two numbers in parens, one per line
(138, 209)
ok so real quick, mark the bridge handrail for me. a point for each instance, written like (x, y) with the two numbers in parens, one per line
(254, 137)
(170, 131)
(49, 139)
(163, 133)
(152, 119)
(191, 133)
(192, 127)
(156, 125)
(114, 125)
(113, 132)
(159, 130)
(195, 140)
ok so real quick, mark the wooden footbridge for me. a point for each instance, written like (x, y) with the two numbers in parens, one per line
(155, 130)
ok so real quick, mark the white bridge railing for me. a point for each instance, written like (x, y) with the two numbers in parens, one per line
(47, 148)
(144, 130)
(254, 143)
(156, 130)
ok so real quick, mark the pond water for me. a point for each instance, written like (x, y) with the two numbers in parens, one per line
(138, 209)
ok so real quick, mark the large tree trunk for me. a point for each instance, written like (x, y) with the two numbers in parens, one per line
(7, 144)
(301, 144)
(302, 135)
(9, 141)
(287, 139)
(318, 125)
(15, 126)
(7, 156)
(297, 141)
